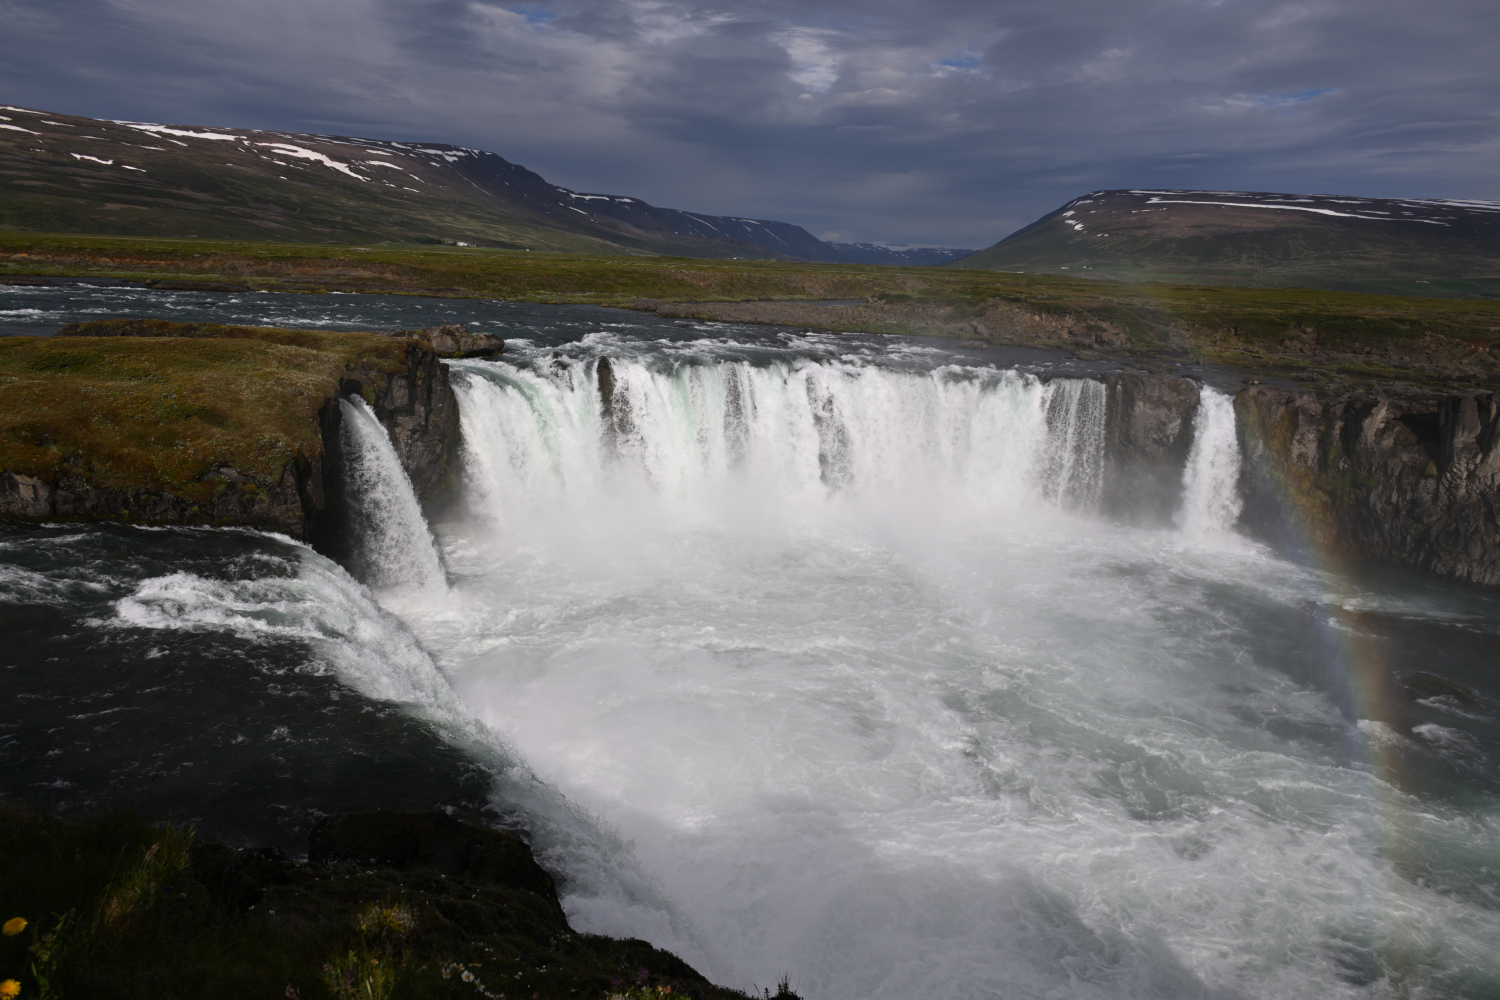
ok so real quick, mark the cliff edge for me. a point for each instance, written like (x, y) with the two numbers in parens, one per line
(153, 422)
(1404, 477)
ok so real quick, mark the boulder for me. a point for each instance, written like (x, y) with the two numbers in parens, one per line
(454, 340)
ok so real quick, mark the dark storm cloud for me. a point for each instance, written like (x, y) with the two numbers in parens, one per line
(907, 120)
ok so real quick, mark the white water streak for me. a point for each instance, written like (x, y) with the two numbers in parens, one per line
(1210, 482)
(396, 547)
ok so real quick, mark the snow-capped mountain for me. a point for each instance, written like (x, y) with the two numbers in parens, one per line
(1260, 238)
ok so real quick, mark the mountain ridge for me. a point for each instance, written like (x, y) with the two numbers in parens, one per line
(1422, 246)
(65, 173)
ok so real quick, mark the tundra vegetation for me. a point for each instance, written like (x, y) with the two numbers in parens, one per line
(1308, 335)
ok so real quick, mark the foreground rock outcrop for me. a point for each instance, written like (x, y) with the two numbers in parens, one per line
(1403, 477)
(153, 422)
(386, 906)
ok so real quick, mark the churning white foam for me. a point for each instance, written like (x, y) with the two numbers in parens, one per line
(870, 698)
(319, 605)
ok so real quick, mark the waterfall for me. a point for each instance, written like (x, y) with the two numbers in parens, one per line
(792, 431)
(1210, 481)
(395, 549)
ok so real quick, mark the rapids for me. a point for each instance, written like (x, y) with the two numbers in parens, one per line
(813, 655)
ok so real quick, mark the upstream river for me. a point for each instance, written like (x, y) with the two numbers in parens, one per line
(810, 654)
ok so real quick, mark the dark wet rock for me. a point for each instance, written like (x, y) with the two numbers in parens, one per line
(433, 841)
(1148, 433)
(441, 891)
(1399, 476)
(1425, 685)
(274, 505)
(419, 411)
(454, 340)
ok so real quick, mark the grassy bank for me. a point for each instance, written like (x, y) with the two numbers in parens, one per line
(113, 905)
(1316, 335)
(159, 414)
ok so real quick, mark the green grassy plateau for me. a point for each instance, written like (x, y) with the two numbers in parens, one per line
(156, 413)
(1312, 334)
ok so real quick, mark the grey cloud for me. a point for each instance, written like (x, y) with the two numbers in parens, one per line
(946, 121)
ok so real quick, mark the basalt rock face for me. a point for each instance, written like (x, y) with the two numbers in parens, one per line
(280, 505)
(1148, 432)
(288, 504)
(419, 411)
(1400, 477)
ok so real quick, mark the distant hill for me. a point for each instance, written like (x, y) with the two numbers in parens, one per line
(1417, 246)
(60, 173)
(884, 253)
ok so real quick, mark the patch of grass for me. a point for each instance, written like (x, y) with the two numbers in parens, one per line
(157, 413)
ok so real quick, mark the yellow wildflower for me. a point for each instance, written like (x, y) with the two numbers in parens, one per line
(14, 926)
(10, 988)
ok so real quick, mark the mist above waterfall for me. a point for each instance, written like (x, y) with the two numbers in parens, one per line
(842, 650)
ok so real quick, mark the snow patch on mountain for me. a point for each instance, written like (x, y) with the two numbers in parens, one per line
(165, 130)
(299, 153)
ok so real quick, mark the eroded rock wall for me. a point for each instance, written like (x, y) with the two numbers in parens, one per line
(1398, 477)
(419, 411)
(1148, 433)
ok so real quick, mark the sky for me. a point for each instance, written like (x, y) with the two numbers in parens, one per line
(928, 122)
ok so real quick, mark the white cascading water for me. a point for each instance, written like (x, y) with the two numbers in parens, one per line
(1210, 482)
(396, 547)
(859, 691)
(789, 433)
(825, 669)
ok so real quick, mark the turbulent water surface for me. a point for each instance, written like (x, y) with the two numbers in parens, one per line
(797, 653)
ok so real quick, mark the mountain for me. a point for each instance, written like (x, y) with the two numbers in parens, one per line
(1415, 246)
(885, 253)
(61, 173)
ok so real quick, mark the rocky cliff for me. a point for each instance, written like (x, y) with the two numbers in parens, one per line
(1405, 477)
(1401, 476)
(1148, 432)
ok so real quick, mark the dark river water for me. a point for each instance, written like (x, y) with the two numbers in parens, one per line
(813, 655)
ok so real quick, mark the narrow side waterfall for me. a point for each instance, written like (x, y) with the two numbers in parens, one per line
(787, 431)
(1210, 482)
(395, 548)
